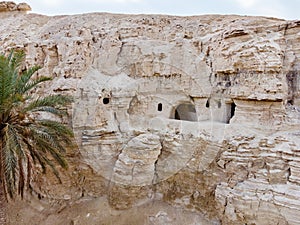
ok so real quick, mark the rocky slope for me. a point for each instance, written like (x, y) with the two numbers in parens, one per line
(200, 112)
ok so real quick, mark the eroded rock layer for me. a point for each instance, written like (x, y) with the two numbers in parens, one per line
(202, 112)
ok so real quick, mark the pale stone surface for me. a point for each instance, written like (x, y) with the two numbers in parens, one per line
(136, 164)
(233, 79)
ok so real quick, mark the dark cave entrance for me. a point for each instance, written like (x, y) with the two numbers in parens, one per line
(185, 111)
(230, 111)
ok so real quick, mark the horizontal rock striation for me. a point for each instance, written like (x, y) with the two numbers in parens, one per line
(202, 112)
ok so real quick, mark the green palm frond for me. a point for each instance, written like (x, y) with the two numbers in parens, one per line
(59, 129)
(21, 178)
(16, 141)
(6, 78)
(51, 110)
(33, 83)
(55, 137)
(16, 58)
(45, 143)
(9, 80)
(10, 162)
(25, 82)
(14, 155)
(9, 73)
(49, 101)
(24, 141)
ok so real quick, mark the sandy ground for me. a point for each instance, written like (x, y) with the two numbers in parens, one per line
(90, 211)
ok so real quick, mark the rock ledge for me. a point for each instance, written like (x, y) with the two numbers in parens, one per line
(8, 6)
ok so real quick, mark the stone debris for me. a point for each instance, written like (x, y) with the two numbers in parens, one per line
(12, 7)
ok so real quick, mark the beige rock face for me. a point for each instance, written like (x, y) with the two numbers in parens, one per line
(135, 165)
(11, 7)
(201, 112)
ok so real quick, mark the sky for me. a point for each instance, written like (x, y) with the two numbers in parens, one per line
(286, 9)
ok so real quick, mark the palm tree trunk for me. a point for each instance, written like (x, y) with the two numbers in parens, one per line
(2, 207)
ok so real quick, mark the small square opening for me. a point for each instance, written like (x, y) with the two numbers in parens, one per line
(105, 101)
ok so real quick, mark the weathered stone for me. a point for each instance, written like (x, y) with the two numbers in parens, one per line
(136, 164)
(7, 6)
(201, 112)
(23, 7)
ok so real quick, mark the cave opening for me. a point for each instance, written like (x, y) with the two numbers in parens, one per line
(159, 107)
(185, 111)
(207, 103)
(230, 111)
(293, 82)
(105, 101)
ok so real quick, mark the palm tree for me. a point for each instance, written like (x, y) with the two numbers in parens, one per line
(28, 141)
(2, 209)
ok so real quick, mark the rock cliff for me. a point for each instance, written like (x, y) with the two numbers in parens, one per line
(201, 112)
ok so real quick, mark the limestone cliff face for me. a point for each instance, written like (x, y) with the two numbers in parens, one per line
(201, 112)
